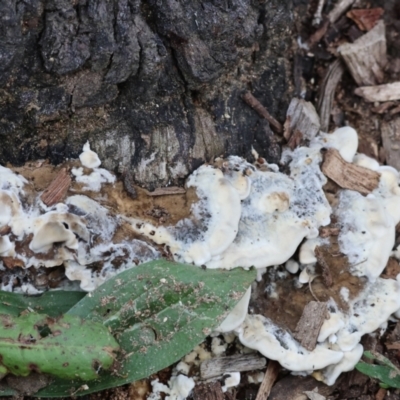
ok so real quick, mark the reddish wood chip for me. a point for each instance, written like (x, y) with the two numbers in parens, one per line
(57, 189)
(10, 262)
(365, 19)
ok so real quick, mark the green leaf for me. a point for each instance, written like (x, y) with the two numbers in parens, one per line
(159, 311)
(387, 373)
(67, 347)
(54, 303)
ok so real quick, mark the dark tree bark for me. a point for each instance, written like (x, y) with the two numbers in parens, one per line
(155, 85)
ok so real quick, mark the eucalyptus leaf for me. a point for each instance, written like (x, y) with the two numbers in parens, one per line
(158, 312)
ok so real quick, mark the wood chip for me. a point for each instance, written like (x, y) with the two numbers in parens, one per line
(347, 175)
(390, 133)
(339, 9)
(301, 117)
(314, 395)
(395, 110)
(365, 18)
(11, 262)
(269, 379)
(238, 363)
(170, 190)
(318, 34)
(366, 58)
(380, 394)
(387, 92)
(57, 189)
(210, 391)
(309, 325)
(262, 111)
(327, 92)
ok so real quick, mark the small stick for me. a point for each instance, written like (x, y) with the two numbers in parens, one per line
(256, 105)
(339, 9)
(238, 362)
(269, 379)
(318, 13)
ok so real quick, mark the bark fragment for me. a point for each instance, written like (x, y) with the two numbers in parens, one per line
(238, 363)
(347, 175)
(269, 379)
(366, 58)
(387, 92)
(309, 325)
(327, 92)
(326, 272)
(210, 391)
(57, 189)
(303, 118)
(390, 132)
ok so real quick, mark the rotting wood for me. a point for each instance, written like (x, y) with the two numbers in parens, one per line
(339, 9)
(326, 272)
(295, 139)
(387, 92)
(366, 58)
(347, 175)
(11, 262)
(57, 189)
(302, 117)
(238, 363)
(129, 185)
(390, 133)
(309, 325)
(327, 92)
(262, 111)
(170, 190)
(366, 18)
(326, 231)
(269, 379)
(209, 391)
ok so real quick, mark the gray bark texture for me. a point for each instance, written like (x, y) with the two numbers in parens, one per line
(155, 85)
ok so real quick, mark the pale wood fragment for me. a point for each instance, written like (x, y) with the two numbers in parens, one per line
(166, 191)
(390, 132)
(309, 325)
(239, 363)
(210, 391)
(347, 175)
(327, 92)
(262, 111)
(339, 9)
(57, 189)
(387, 92)
(269, 379)
(366, 58)
(301, 117)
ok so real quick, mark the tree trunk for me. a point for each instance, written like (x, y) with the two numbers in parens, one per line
(155, 85)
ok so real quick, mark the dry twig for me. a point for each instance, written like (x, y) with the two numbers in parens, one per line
(238, 362)
(262, 111)
(268, 381)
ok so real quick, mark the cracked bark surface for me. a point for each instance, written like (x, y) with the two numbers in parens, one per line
(155, 85)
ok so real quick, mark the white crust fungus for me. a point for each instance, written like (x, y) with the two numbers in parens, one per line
(246, 215)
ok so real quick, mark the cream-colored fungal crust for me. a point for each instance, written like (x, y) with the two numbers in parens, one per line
(259, 333)
(213, 224)
(246, 215)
